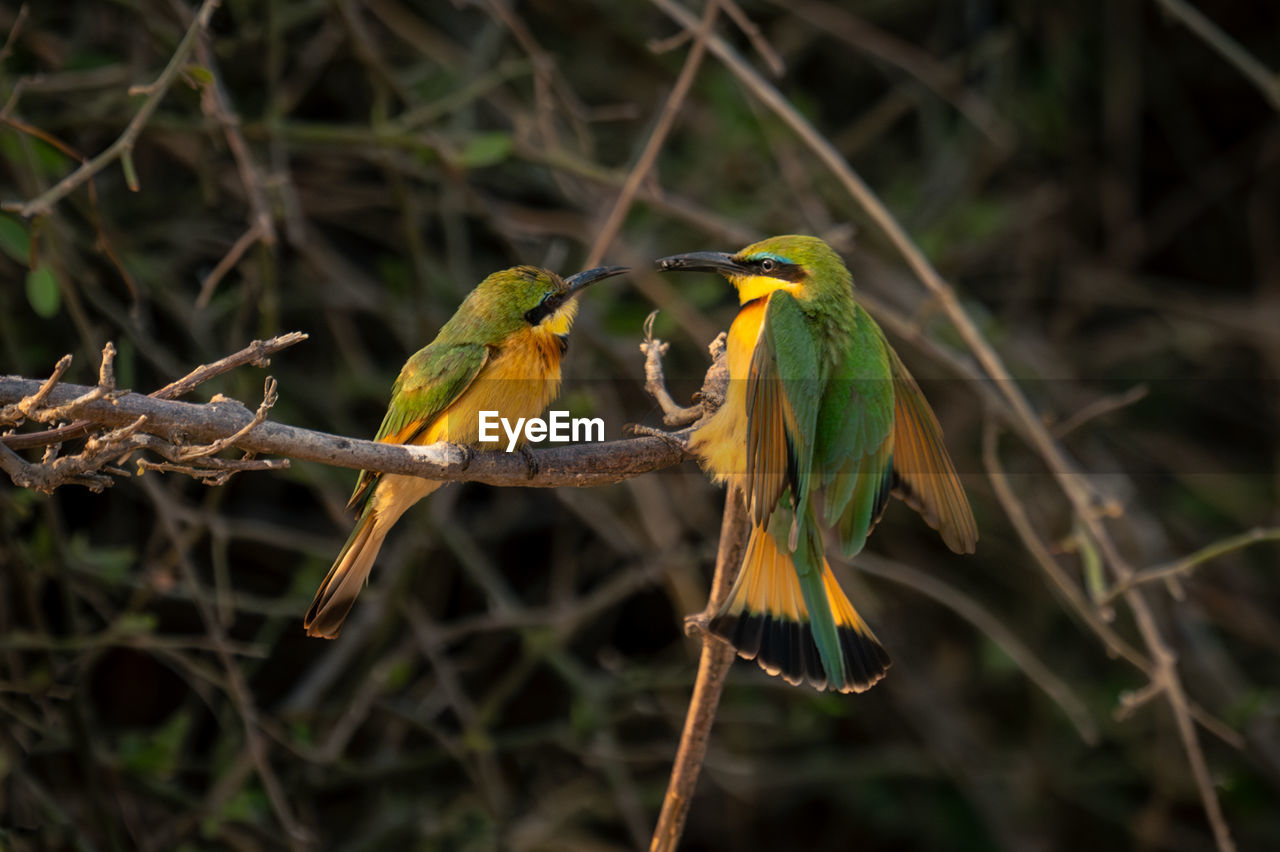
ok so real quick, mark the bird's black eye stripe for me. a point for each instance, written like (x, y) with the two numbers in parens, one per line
(775, 268)
(543, 309)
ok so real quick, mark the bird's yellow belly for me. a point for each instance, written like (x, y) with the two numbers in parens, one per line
(518, 381)
(721, 443)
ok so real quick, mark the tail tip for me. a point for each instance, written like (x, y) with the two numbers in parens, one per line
(321, 628)
(786, 649)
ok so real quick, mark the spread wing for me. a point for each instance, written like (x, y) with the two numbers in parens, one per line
(924, 477)
(431, 380)
(783, 393)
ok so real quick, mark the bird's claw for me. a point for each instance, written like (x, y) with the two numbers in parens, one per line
(640, 429)
(711, 398)
(696, 624)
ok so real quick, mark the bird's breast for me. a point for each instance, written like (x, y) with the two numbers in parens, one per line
(520, 378)
(721, 443)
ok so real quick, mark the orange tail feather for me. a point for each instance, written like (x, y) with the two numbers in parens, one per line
(766, 620)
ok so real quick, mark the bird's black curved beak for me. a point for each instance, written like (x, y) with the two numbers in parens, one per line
(584, 279)
(701, 261)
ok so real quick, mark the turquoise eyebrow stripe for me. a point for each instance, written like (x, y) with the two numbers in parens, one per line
(780, 258)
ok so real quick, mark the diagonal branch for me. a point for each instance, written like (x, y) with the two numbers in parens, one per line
(657, 138)
(1266, 80)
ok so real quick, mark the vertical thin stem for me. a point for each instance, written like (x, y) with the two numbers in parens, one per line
(713, 667)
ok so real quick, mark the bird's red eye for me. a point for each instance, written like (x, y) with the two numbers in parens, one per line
(768, 265)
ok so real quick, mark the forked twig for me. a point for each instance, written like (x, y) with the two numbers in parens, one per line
(269, 398)
(258, 353)
(655, 384)
(1190, 562)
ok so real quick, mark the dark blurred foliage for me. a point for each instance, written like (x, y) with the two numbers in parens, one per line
(1101, 187)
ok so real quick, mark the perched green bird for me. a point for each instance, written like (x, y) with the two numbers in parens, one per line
(820, 424)
(499, 352)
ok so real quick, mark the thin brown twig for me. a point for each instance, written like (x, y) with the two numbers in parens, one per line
(104, 242)
(122, 148)
(14, 31)
(270, 396)
(228, 262)
(1043, 556)
(1115, 644)
(1266, 80)
(944, 81)
(214, 471)
(237, 688)
(33, 402)
(626, 196)
(1192, 561)
(258, 353)
(758, 42)
(674, 414)
(1099, 407)
(970, 610)
(216, 104)
(717, 655)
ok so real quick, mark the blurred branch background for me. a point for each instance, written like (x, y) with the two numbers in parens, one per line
(1099, 182)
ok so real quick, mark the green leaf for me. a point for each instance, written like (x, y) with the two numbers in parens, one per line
(200, 74)
(42, 292)
(14, 239)
(111, 563)
(135, 624)
(156, 754)
(399, 675)
(486, 149)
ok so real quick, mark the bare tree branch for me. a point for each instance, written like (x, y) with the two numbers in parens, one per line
(183, 432)
(186, 424)
(257, 353)
(713, 668)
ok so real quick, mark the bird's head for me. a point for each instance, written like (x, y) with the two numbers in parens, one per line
(524, 297)
(805, 266)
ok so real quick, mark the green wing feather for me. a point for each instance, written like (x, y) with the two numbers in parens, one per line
(431, 380)
(783, 393)
(855, 444)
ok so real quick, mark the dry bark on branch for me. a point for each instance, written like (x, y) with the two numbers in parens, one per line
(187, 434)
(187, 425)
